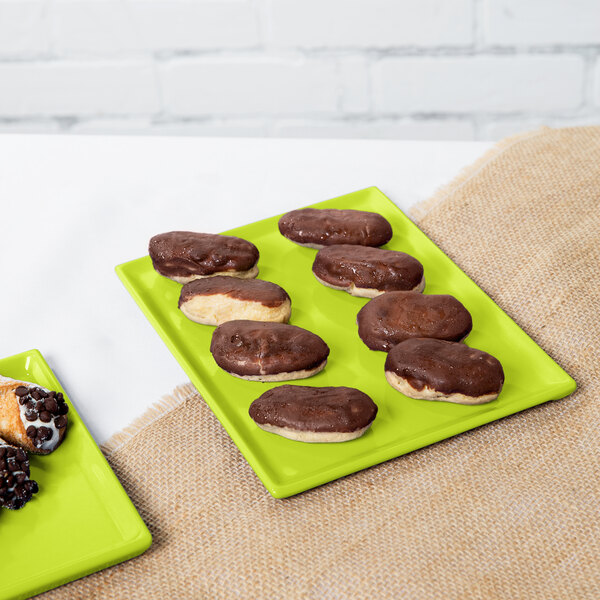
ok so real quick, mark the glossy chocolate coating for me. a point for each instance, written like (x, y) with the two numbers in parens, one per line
(303, 408)
(366, 267)
(446, 367)
(329, 226)
(394, 317)
(264, 348)
(185, 253)
(253, 290)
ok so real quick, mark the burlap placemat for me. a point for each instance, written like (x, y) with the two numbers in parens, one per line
(510, 510)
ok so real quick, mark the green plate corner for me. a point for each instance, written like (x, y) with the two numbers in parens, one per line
(402, 425)
(81, 521)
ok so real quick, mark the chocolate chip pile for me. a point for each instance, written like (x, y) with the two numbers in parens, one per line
(44, 406)
(16, 488)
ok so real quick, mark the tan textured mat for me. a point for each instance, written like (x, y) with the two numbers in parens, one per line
(508, 511)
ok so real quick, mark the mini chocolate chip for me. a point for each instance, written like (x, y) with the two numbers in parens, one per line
(51, 405)
(22, 400)
(31, 431)
(21, 477)
(59, 395)
(43, 393)
(2, 451)
(44, 433)
(45, 416)
(10, 452)
(32, 486)
(52, 394)
(31, 415)
(30, 404)
(36, 394)
(20, 455)
(61, 422)
(21, 391)
(13, 466)
(63, 409)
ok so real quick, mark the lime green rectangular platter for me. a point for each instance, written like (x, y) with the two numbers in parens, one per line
(288, 467)
(79, 522)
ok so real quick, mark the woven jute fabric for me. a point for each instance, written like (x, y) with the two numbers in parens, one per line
(508, 511)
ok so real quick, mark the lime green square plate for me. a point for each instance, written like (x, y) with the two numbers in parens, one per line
(79, 522)
(288, 467)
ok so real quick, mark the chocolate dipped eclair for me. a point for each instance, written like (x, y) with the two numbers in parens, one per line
(318, 227)
(215, 300)
(314, 414)
(394, 317)
(185, 255)
(431, 369)
(367, 272)
(262, 351)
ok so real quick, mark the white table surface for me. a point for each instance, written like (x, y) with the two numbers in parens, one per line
(74, 207)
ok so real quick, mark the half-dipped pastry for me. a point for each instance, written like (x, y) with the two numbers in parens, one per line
(263, 351)
(185, 255)
(31, 416)
(16, 489)
(367, 272)
(215, 300)
(394, 317)
(314, 414)
(318, 227)
(431, 369)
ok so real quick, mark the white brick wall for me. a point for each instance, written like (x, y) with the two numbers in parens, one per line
(422, 69)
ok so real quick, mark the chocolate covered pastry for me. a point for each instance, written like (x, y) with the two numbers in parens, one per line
(394, 317)
(185, 255)
(16, 489)
(31, 416)
(314, 414)
(315, 228)
(367, 272)
(260, 351)
(431, 369)
(215, 300)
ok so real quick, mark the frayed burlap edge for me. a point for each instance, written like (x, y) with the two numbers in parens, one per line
(168, 403)
(419, 211)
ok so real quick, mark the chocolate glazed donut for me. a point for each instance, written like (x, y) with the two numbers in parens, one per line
(315, 228)
(262, 351)
(396, 316)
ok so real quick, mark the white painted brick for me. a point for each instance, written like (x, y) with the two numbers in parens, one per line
(354, 75)
(23, 30)
(479, 84)
(401, 129)
(92, 27)
(542, 22)
(251, 86)
(209, 128)
(597, 83)
(77, 88)
(371, 23)
(195, 25)
(501, 128)
(47, 126)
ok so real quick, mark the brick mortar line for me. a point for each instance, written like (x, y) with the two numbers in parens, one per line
(590, 50)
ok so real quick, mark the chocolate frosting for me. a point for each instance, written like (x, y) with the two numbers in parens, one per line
(303, 408)
(447, 367)
(329, 226)
(254, 290)
(394, 317)
(366, 267)
(185, 253)
(264, 348)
